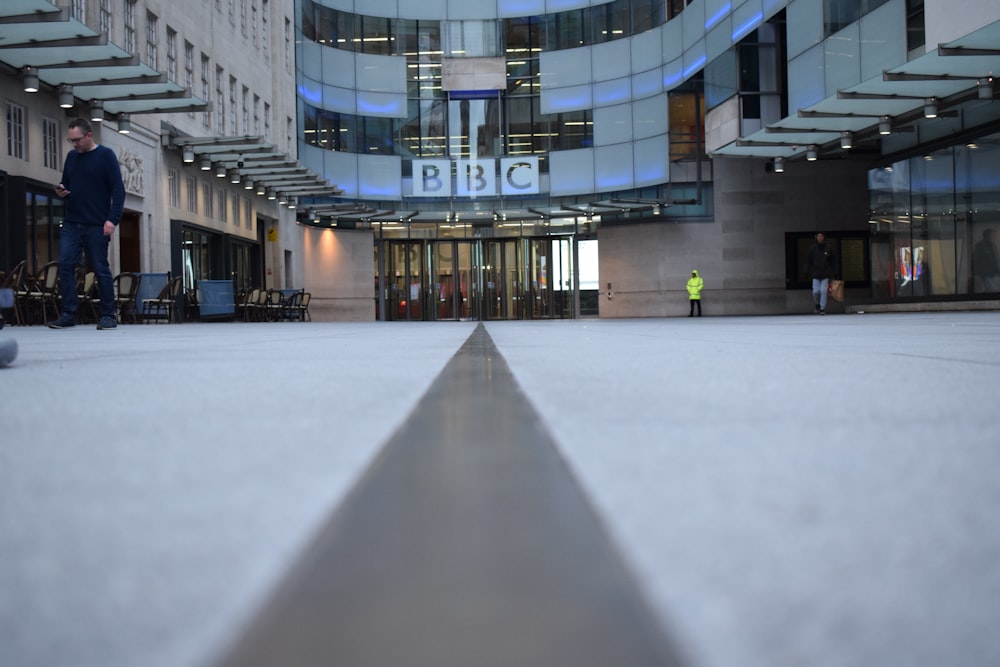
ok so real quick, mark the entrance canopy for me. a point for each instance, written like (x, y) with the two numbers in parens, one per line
(48, 48)
(955, 81)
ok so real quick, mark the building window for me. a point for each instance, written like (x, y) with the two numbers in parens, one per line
(174, 185)
(152, 40)
(233, 129)
(206, 90)
(192, 193)
(916, 36)
(838, 14)
(288, 46)
(243, 16)
(223, 198)
(189, 69)
(253, 22)
(265, 30)
(171, 54)
(50, 143)
(79, 10)
(246, 110)
(236, 210)
(15, 131)
(267, 121)
(104, 18)
(129, 22)
(247, 213)
(220, 101)
(232, 12)
(256, 114)
(206, 195)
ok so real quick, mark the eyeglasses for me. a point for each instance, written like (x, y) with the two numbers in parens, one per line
(77, 140)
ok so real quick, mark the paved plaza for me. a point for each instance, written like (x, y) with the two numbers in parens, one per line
(781, 491)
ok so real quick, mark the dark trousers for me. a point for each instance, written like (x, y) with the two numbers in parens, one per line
(693, 302)
(74, 239)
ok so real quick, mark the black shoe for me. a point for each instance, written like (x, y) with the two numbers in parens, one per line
(64, 321)
(822, 312)
(107, 323)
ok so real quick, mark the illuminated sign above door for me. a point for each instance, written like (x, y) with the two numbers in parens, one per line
(475, 178)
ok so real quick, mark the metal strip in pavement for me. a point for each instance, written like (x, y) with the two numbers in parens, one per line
(467, 543)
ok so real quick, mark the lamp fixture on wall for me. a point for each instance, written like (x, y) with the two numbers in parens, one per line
(292, 203)
(29, 76)
(260, 189)
(282, 199)
(96, 111)
(779, 165)
(124, 123)
(247, 183)
(884, 125)
(271, 194)
(66, 100)
(930, 107)
(846, 141)
(206, 163)
(811, 154)
(220, 170)
(234, 176)
(187, 154)
(986, 88)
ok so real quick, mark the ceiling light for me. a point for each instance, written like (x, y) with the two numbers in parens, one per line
(220, 170)
(206, 163)
(271, 194)
(261, 190)
(234, 176)
(986, 88)
(846, 140)
(282, 199)
(66, 100)
(96, 111)
(188, 154)
(29, 75)
(247, 183)
(885, 125)
(124, 123)
(930, 107)
(292, 202)
(779, 165)
(811, 154)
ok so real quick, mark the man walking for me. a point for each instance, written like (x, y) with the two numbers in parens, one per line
(820, 267)
(95, 196)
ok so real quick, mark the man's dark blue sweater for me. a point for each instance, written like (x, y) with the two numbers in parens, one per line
(94, 181)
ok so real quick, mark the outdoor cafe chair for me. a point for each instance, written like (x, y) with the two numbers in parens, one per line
(163, 306)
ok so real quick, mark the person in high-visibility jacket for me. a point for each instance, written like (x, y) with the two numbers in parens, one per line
(695, 285)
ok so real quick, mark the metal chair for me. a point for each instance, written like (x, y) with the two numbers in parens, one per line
(164, 303)
(126, 287)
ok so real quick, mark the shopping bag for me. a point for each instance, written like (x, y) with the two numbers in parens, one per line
(836, 290)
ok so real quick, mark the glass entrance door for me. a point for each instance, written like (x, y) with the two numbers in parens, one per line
(455, 272)
(502, 284)
(479, 279)
(406, 280)
(551, 291)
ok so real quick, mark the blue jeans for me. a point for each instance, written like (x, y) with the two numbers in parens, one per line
(820, 286)
(74, 239)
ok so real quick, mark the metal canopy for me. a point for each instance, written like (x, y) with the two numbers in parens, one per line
(39, 35)
(252, 157)
(950, 75)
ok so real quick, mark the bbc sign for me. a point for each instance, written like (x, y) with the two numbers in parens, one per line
(475, 178)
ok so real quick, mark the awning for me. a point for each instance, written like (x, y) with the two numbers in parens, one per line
(956, 80)
(39, 39)
(251, 161)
